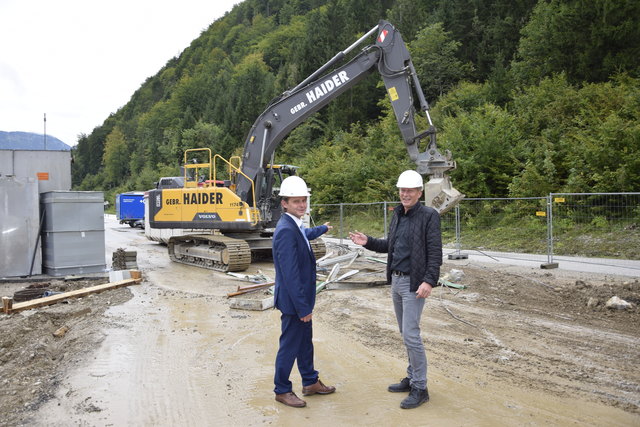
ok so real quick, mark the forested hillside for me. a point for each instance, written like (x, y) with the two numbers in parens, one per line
(530, 96)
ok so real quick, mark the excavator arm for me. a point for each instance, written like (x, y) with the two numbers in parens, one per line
(390, 57)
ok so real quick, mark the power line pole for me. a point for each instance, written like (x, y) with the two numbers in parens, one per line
(45, 131)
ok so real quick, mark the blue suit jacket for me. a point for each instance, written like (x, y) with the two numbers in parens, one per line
(295, 290)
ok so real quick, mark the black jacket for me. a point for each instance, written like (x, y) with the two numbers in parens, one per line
(426, 244)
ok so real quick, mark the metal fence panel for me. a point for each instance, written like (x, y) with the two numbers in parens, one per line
(368, 218)
(514, 225)
(601, 227)
(596, 225)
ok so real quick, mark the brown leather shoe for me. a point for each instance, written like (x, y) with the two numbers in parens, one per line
(317, 388)
(290, 399)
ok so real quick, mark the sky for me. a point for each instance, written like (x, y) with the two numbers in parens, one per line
(77, 61)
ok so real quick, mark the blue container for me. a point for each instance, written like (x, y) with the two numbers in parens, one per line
(130, 208)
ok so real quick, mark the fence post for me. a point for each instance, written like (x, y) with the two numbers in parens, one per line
(385, 219)
(457, 254)
(341, 228)
(549, 264)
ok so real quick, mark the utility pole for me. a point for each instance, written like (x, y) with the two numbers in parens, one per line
(45, 131)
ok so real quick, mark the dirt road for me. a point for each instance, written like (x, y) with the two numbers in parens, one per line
(517, 347)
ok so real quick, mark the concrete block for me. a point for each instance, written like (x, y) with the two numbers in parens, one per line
(116, 276)
(549, 265)
(251, 304)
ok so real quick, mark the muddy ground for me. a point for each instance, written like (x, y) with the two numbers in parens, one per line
(518, 346)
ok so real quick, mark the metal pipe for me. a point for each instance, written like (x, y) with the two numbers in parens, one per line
(35, 248)
(550, 229)
(458, 229)
(340, 223)
(264, 140)
(416, 86)
(385, 220)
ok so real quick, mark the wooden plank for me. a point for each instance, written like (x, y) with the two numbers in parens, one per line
(7, 304)
(235, 294)
(40, 302)
(256, 286)
(246, 290)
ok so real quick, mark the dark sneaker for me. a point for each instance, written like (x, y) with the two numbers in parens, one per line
(416, 398)
(402, 386)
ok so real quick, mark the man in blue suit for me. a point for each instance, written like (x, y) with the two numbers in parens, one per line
(295, 294)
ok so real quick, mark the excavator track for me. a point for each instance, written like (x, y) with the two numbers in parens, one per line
(215, 252)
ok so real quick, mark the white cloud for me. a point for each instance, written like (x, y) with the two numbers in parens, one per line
(79, 61)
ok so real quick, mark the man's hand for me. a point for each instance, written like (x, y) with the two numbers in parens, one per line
(358, 238)
(424, 290)
(328, 226)
(307, 318)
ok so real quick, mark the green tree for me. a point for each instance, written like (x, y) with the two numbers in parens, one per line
(408, 16)
(605, 139)
(116, 158)
(589, 40)
(434, 57)
(488, 147)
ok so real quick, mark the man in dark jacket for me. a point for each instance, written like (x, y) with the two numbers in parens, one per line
(295, 294)
(414, 248)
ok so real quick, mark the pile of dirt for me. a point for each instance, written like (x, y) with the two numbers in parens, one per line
(559, 294)
(38, 345)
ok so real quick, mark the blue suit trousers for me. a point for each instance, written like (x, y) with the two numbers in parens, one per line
(295, 345)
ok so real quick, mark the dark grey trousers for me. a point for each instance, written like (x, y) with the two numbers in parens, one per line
(408, 310)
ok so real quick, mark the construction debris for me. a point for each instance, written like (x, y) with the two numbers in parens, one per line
(337, 283)
(33, 291)
(453, 275)
(252, 304)
(339, 248)
(617, 303)
(363, 276)
(347, 259)
(251, 288)
(61, 331)
(124, 260)
(8, 307)
(116, 276)
(253, 278)
(327, 255)
(448, 284)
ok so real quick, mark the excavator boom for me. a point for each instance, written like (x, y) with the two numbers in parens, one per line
(390, 57)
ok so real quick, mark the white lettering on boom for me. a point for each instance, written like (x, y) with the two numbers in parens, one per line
(327, 86)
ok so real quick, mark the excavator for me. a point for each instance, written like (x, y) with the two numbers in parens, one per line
(234, 217)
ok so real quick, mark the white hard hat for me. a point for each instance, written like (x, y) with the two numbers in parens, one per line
(293, 186)
(410, 179)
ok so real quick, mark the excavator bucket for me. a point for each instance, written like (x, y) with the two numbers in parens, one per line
(440, 194)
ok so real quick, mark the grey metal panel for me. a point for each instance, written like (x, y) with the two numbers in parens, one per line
(73, 252)
(73, 232)
(19, 223)
(73, 210)
(54, 167)
(6, 162)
